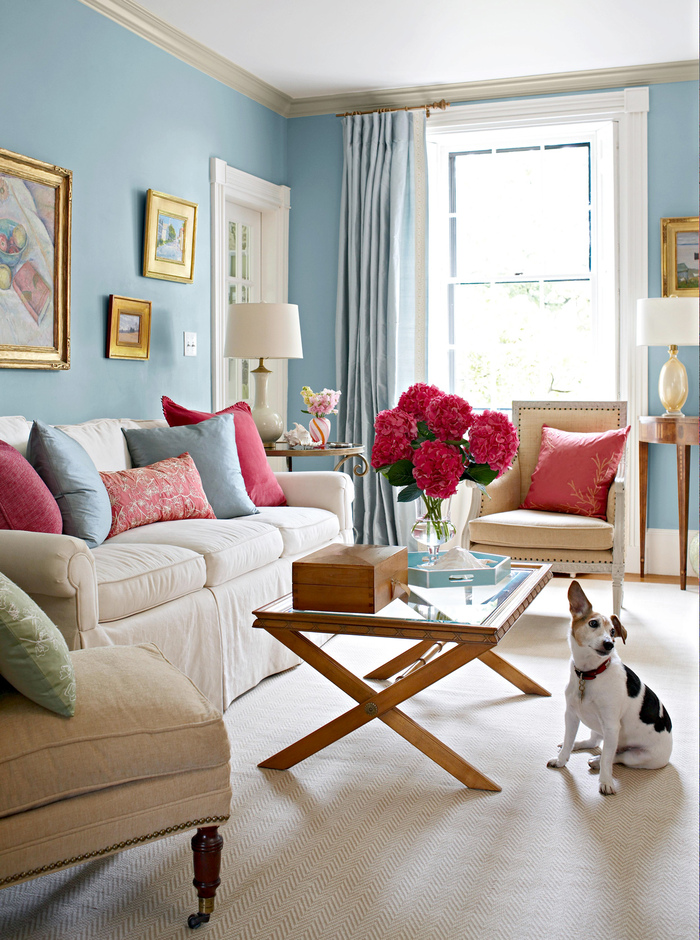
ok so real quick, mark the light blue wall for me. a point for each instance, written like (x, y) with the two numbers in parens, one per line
(673, 192)
(315, 169)
(125, 117)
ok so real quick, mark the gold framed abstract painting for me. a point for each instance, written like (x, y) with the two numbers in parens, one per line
(35, 234)
(171, 230)
(679, 257)
(129, 328)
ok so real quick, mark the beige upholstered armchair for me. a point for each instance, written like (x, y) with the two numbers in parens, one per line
(571, 543)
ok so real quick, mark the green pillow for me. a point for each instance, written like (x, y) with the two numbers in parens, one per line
(34, 657)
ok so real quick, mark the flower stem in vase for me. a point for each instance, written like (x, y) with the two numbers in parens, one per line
(433, 526)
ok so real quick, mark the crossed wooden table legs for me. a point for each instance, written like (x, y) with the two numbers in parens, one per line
(383, 704)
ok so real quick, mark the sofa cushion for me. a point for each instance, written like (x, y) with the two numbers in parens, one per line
(228, 547)
(25, 500)
(527, 528)
(15, 430)
(34, 657)
(574, 471)
(136, 717)
(134, 578)
(212, 446)
(169, 489)
(71, 476)
(303, 529)
(103, 440)
(260, 481)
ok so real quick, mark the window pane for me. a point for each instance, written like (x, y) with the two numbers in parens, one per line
(245, 294)
(232, 293)
(522, 340)
(232, 266)
(522, 212)
(232, 236)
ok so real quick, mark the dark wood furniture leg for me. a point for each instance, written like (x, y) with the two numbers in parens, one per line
(683, 463)
(206, 849)
(643, 481)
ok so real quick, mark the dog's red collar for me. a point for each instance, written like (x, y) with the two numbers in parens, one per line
(592, 673)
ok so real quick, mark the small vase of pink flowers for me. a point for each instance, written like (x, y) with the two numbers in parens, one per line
(430, 442)
(320, 405)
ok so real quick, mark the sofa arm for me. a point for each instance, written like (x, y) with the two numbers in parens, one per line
(320, 489)
(58, 572)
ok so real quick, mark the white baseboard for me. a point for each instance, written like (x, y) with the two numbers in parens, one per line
(662, 553)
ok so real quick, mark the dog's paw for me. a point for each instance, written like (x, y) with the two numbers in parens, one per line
(594, 763)
(607, 787)
(556, 762)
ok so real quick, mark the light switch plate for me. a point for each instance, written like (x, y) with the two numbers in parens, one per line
(190, 344)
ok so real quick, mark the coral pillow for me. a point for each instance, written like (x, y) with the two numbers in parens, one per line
(260, 481)
(25, 500)
(167, 490)
(574, 471)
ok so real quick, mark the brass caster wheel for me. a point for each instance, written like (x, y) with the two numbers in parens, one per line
(196, 920)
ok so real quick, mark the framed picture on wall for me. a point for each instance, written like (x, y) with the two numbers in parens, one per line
(129, 328)
(35, 233)
(171, 229)
(679, 257)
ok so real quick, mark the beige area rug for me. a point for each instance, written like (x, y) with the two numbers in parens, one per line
(369, 839)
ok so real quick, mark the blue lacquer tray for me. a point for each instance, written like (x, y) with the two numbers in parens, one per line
(498, 568)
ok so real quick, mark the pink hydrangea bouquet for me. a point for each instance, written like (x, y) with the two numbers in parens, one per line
(320, 404)
(432, 440)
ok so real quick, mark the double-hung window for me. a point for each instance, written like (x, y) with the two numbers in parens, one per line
(523, 264)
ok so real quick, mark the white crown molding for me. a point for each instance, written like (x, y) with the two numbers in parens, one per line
(145, 24)
(138, 20)
(527, 86)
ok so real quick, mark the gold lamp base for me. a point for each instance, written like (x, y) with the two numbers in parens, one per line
(673, 384)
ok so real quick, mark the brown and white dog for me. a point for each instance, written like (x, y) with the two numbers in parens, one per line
(610, 699)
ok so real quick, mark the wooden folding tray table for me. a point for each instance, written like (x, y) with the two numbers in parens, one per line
(453, 626)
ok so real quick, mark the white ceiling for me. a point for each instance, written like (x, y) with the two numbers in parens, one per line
(308, 48)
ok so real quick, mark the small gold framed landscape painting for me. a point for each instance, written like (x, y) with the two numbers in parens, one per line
(171, 230)
(129, 328)
(35, 229)
(679, 257)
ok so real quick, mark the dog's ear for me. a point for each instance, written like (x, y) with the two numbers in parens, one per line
(619, 629)
(579, 605)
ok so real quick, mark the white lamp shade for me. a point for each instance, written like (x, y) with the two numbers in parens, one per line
(263, 331)
(668, 321)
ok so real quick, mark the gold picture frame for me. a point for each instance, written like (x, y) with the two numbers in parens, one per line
(129, 328)
(679, 257)
(35, 237)
(171, 232)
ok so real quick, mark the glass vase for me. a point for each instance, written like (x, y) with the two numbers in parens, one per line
(433, 526)
(319, 429)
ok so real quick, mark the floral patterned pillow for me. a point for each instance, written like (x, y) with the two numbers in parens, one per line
(166, 490)
(34, 656)
(574, 471)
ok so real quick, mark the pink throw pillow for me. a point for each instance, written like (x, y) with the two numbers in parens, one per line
(25, 500)
(260, 481)
(574, 471)
(166, 490)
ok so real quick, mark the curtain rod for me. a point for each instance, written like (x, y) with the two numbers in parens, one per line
(436, 105)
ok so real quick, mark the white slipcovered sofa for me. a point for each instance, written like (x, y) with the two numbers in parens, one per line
(189, 586)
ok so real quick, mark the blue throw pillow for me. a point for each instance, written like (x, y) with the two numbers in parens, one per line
(212, 446)
(66, 468)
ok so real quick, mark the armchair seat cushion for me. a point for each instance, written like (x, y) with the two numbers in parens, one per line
(529, 528)
(136, 718)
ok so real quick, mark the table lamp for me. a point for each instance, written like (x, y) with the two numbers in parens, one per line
(672, 322)
(263, 331)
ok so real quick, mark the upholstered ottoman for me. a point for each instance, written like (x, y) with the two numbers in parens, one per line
(144, 756)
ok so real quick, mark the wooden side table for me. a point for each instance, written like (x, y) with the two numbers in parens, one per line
(340, 453)
(681, 431)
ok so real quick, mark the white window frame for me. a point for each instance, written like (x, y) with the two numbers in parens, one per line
(628, 110)
(272, 201)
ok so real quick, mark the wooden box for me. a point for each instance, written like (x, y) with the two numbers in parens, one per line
(359, 579)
